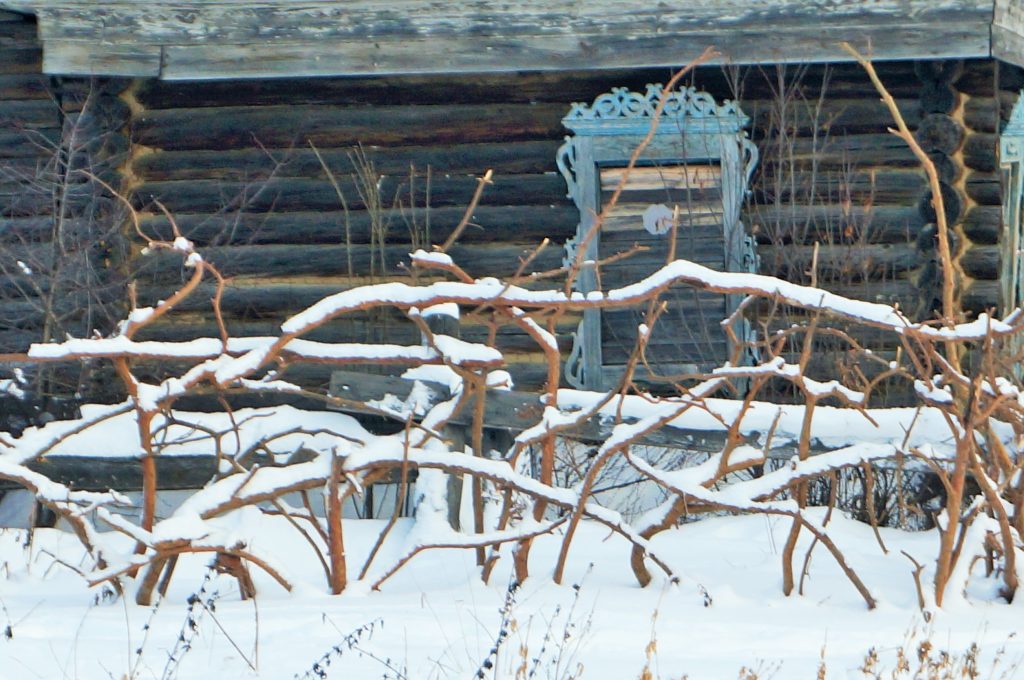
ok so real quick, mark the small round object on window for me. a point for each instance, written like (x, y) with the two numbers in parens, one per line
(658, 219)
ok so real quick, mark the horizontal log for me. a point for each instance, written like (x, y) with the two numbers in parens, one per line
(840, 152)
(844, 80)
(17, 339)
(984, 188)
(888, 291)
(247, 299)
(804, 224)
(879, 187)
(842, 116)
(31, 114)
(523, 157)
(510, 88)
(24, 86)
(984, 114)
(13, 17)
(309, 194)
(337, 126)
(981, 262)
(977, 78)
(856, 262)
(322, 260)
(980, 152)
(981, 296)
(983, 224)
(19, 143)
(26, 229)
(1011, 77)
(489, 224)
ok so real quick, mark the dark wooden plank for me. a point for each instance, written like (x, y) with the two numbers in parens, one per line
(984, 188)
(977, 78)
(840, 116)
(983, 224)
(20, 59)
(490, 224)
(980, 152)
(845, 81)
(984, 114)
(981, 262)
(339, 126)
(860, 186)
(804, 224)
(519, 87)
(246, 164)
(19, 143)
(982, 295)
(24, 86)
(322, 260)
(848, 263)
(30, 114)
(30, 229)
(308, 194)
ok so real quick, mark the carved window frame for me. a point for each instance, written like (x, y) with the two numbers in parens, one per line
(692, 127)
(1011, 163)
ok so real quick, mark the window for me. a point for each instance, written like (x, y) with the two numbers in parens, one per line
(695, 170)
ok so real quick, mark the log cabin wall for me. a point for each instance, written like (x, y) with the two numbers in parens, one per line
(29, 120)
(234, 162)
(62, 245)
(985, 112)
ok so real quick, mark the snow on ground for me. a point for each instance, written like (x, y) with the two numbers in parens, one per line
(435, 619)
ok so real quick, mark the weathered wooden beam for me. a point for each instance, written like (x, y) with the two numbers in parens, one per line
(205, 39)
(1008, 32)
(82, 58)
(568, 52)
(276, 21)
